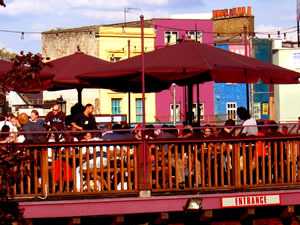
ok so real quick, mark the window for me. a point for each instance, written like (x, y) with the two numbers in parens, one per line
(171, 37)
(177, 112)
(257, 111)
(114, 59)
(139, 110)
(115, 106)
(201, 111)
(195, 35)
(231, 109)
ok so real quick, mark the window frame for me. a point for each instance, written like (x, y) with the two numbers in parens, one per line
(139, 116)
(197, 32)
(231, 110)
(116, 107)
(171, 33)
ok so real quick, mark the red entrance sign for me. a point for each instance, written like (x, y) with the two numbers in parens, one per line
(250, 200)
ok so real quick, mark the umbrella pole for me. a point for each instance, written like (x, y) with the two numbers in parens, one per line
(190, 104)
(246, 54)
(79, 94)
(198, 105)
(144, 144)
(247, 94)
(129, 112)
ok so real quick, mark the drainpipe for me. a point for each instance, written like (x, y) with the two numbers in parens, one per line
(174, 104)
(246, 54)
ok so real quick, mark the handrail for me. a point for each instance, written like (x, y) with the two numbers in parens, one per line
(191, 164)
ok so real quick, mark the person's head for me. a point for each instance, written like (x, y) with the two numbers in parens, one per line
(117, 128)
(150, 130)
(243, 113)
(34, 115)
(107, 126)
(76, 109)
(89, 109)
(124, 124)
(56, 109)
(273, 127)
(22, 118)
(207, 131)
(69, 136)
(9, 116)
(53, 136)
(5, 131)
(285, 130)
(173, 130)
(2, 117)
(87, 136)
(229, 123)
(215, 132)
(14, 121)
(163, 128)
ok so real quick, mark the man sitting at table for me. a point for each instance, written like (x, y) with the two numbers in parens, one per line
(85, 120)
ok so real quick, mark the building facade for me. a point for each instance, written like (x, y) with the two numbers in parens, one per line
(287, 105)
(111, 43)
(168, 32)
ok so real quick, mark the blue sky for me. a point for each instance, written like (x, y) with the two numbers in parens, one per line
(42, 15)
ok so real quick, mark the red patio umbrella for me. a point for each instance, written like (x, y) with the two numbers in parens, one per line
(187, 63)
(5, 66)
(67, 68)
(39, 83)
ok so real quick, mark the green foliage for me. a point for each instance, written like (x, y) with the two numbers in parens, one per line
(6, 55)
(13, 162)
(25, 72)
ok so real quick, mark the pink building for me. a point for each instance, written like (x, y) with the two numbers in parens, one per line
(168, 32)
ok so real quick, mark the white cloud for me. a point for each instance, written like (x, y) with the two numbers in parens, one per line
(60, 7)
(153, 2)
(114, 3)
(102, 15)
(96, 3)
(33, 37)
(156, 14)
(32, 7)
(118, 16)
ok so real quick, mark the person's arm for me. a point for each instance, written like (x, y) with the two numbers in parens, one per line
(47, 118)
(76, 126)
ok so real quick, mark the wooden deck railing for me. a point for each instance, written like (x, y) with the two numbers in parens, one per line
(171, 165)
(224, 164)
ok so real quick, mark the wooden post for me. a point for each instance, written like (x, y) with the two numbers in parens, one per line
(44, 171)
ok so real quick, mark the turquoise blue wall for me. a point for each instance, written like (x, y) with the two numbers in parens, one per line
(224, 93)
(262, 50)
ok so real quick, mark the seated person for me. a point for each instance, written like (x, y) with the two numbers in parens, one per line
(229, 129)
(55, 120)
(88, 137)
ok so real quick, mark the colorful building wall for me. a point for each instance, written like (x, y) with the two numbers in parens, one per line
(287, 104)
(230, 96)
(263, 98)
(164, 99)
(117, 43)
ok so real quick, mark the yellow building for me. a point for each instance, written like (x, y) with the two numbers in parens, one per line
(109, 42)
(118, 43)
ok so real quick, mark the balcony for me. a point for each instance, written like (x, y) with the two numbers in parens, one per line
(162, 177)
